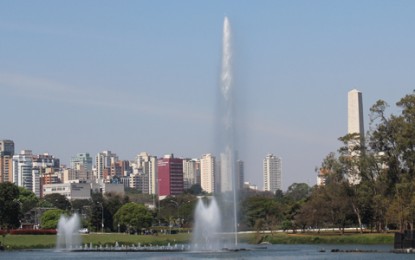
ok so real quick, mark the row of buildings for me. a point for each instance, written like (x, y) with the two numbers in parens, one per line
(167, 175)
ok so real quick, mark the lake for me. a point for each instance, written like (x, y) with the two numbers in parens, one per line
(271, 252)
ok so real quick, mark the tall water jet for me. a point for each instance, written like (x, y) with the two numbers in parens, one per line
(207, 226)
(68, 237)
(226, 136)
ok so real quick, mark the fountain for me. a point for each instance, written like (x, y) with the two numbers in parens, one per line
(210, 221)
(207, 226)
(68, 237)
(226, 135)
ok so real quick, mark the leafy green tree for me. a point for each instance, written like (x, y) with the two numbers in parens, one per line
(298, 191)
(133, 217)
(97, 211)
(59, 201)
(28, 199)
(10, 210)
(261, 212)
(112, 203)
(50, 219)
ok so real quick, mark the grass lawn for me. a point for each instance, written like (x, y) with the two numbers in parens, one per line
(49, 241)
(14, 242)
(327, 238)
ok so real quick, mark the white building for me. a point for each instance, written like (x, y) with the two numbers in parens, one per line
(72, 191)
(22, 169)
(103, 161)
(207, 173)
(191, 172)
(272, 169)
(147, 165)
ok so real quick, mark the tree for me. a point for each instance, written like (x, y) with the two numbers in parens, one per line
(133, 217)
(59, 201)
(261, 212)
(28, 199)
(50, 219)
(10, 211)
(112, 203)
(298, 191)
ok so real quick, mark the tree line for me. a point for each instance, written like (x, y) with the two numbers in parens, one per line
(369, 184)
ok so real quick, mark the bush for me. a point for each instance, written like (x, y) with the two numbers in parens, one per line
(33, 232)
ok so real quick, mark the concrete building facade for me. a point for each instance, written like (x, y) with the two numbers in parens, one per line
(207, 173)
(6, 158)
(22, 169)
(191, 172)
(272, 171)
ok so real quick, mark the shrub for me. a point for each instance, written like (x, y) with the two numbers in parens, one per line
(33, 232)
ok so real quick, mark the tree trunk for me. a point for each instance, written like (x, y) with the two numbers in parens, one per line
(359, 218)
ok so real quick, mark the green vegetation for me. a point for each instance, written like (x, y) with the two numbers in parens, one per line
(50, 218)
(327, 238)
(133, 217)
(9, 206)
(16, 242)
(13, 242)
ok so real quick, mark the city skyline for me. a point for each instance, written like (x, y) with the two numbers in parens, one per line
(142, 76)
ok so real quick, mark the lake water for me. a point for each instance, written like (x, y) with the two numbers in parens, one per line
(272, 252)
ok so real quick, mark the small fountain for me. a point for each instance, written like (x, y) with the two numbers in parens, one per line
(207, 227)
(68, 237)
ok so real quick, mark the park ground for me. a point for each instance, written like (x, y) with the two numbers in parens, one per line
(19, 242)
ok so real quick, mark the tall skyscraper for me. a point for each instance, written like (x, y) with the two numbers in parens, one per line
(191, 172)
(240, 174)
(81, 164)
(170, 173)
(147, 166)
(272, 170)
(207, 172)
(6, 147)
(6, 156)
(103, 162)
(355, 113)
(22, 169)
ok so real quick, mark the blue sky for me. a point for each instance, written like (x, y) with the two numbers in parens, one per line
(132, 76)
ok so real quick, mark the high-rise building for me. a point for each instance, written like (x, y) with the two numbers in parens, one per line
(6, 156)
(43, 167)
(6, 168)
(240, 174)
(355, 113)
(103, 161)
(207, 172)
(22, 169)
(120, 168)
(6, 147)
(170, 173)
(272, 170)
(191, 172)
(147, 165)
(81, 164)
